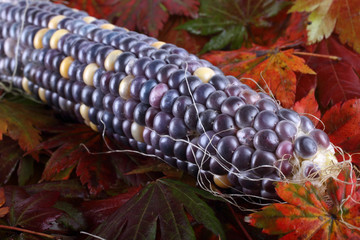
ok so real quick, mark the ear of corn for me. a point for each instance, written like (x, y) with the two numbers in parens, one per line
(157, 98)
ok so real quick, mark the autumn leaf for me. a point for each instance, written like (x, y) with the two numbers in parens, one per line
(181, 38)
(269, 68)
(21, 120)
(149, 16)
(3, 210)
(99, 8)
(342, 123)
(336, 81)
(97, 211)
(332, 15)
(309, 107)
(97, 169)
(10, 156)
(228, 22)
(306, 215)
(160, 207)
(35, 212)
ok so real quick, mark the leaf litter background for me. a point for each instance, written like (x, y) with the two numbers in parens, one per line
(306, 52)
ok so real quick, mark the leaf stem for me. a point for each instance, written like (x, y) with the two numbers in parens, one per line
(331, 57)
(239, 223)
(27, 231)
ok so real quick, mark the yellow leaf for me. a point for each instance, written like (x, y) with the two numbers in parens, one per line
(328, 16)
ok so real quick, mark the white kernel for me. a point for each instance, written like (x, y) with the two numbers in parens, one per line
(41, 93)
(89, 19)
(137, 132)
(38, 38)
(157, 44)
(110, 60)
(56, 37)
(124, 87)
(88, 74)
(204, 73)
(55, 21)
(64, 66)
(84, 112)
(108, 26)
(25, 85)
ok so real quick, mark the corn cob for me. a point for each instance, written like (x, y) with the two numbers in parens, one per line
(158, 98)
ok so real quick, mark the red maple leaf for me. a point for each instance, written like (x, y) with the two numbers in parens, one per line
(306, 215)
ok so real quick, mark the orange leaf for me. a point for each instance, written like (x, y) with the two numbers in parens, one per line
(3, 210)
(307, 216)
(21, 120)
(308, 105)
(276, 67)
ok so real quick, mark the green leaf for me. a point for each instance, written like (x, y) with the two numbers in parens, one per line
(234, 37)
(164, 204)
(25, 170)
(229, 22)
(73, 219)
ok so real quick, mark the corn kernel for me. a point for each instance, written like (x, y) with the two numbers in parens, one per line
(55, 21)
(110, 60)
(38, 38)
(56, 37)
(88, 74)
(204, 73)
(64, 67)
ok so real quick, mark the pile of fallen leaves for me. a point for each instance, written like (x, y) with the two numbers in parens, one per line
(59, 181)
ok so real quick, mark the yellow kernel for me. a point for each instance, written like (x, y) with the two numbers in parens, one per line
(204, 73)
(222, 181)
(124, 88)
(84, 112)
(137, 132)
(41, 93)
(89, 72)
(55, 21)
(157, 44)
(56, 37)
(110, 60)
(93, 127)
(108, 26)
(89, 19)
(38, 38)
(25, 85)
(64, 67)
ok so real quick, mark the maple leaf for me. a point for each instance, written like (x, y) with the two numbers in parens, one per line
(149, 16)
(342, 123)
(3, 210)
(307, 216)
(331, 15)
(21, 121)
(10, 155)
(97, 211)
(271, 69)
(98, 8)
(96, 169)
(228, 22)
(336, 81)
(181, 38)
(162, 205)
(308, 106)
(35, 212)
